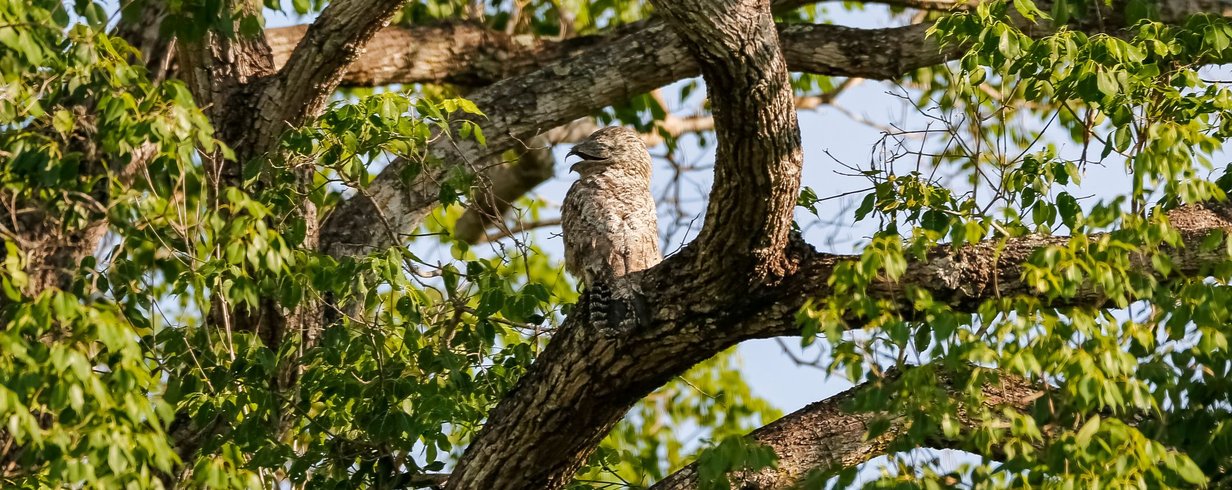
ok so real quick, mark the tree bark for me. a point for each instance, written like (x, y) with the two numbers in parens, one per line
(826, 436)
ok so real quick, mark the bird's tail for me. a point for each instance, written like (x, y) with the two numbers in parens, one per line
(616, 307)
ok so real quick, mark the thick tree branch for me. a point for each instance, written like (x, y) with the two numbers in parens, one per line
(472, 55)
(966, 277)
(758, 160)
(316, 66)
(220, 70)
(826, 436)
(456, 53)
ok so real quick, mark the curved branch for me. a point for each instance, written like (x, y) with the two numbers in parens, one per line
(317, 64)
(758, 160)
(824, 436)
(518, 109)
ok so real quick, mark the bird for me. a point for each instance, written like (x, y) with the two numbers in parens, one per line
(610, 226)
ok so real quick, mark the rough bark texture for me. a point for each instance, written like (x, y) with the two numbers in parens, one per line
(600, 72)
(584, 382)
(759, 153)
(826, 435)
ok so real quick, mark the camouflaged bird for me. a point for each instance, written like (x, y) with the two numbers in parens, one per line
(610, 226)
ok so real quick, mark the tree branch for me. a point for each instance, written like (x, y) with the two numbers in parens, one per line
(517, 108)
(826, 436)
(737, 46)
(463, 54)
(318, 62)
(474, 56)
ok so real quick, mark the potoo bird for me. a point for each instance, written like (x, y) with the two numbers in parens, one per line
(610, 225)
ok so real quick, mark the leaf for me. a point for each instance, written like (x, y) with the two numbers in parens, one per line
(1189, 471)
(1069, 210)
(1107, 83)
(1028, 10)
(866, 206)
(1088, 430)
(469, 107)
(1060, 13)
(63, 121)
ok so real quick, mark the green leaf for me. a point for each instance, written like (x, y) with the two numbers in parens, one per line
(1070, 211)
(1088, 430)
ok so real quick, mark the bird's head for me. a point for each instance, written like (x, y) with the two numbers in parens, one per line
(611, 148)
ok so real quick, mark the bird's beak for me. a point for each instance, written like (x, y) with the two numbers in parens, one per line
(574, 168)
(588, 153)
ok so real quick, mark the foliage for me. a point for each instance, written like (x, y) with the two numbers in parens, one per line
(1122, 376)
(82, 393)
(116, 368)
(105, 372)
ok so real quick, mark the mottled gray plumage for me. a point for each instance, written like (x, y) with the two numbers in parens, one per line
(609, 223)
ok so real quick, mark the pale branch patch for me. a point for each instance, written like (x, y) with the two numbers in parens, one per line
(464, 54)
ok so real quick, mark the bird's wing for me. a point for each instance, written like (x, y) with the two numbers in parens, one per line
(588, 225)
